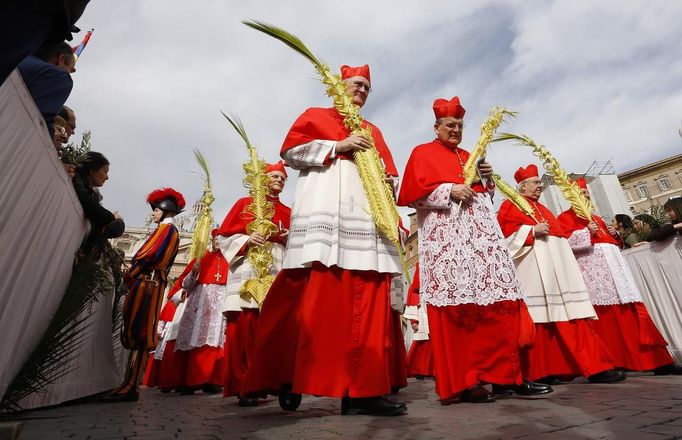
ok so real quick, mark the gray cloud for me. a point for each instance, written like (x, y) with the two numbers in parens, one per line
(591, 81)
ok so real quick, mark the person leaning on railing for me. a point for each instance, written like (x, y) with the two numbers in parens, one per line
(674, 209)
(91, 173)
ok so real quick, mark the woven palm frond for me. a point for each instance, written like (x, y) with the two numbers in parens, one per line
(202, 228)
(262, 209)
(382, 207)
(490, 125)
(513, 196)
(570, 190)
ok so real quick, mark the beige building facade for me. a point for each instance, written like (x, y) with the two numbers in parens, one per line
(653, 183)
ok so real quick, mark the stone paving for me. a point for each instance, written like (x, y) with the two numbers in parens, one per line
(643, 407)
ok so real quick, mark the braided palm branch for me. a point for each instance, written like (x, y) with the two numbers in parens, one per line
(382, 207)
(490, 125)
(580, 204)
(204, 223)
(514, 197)
(262, 210)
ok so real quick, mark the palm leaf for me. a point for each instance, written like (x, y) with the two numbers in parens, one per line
(514, 197)
(51, 358)
(490, 125)
(570, 190)
(285, 37)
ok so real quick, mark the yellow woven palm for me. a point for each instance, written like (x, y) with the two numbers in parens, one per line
(204, 223)
(513, 196)
(382, 207)
(262, 210)
(488, 128)
(570, 190)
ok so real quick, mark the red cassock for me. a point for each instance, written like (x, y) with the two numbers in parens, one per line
(627, 329)
(205, 364)
(167, 372)
(326, 330)
(470, 343)
(241, 325)
(568, 348)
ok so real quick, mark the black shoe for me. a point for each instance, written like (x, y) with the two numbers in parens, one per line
(477, 394)
(665, 370)
(527, 388)
(608, 376)
(419, 377)
(372, 406)
(210, 388)
(247, 402)
(130, 396)
(187, 391)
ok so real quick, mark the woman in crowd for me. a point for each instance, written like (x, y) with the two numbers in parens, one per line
(674, 209)
(91, 173)
(623, 224)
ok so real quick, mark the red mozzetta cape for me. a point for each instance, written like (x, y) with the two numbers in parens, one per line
(327, 124)
(413, 291)
(512, 218)
(212, 263)
(429, 166)
(237, 219)
(570, 221)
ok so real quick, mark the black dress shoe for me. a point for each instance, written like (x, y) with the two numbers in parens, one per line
(608, 376)
(477, 394)
(372, 406)
(247, 402)
(210, 388)
(187, 391)
(665, 370)
(131, 396)
(527, 388)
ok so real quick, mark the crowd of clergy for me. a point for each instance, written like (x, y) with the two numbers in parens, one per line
(501, 303)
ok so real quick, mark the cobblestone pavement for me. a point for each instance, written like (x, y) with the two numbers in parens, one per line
(643, 407)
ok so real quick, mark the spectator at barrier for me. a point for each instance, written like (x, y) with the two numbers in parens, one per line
(70, 118)
(59, 137)
(92, 173)
(25, 25)
(623, 224)
(47, 75)
(674, 209)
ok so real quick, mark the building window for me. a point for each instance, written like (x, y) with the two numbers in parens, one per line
(642, 191)
(664, 184)
(627, 195)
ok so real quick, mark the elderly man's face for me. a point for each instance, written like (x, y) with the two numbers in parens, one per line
(531, 188)
(449, 130)
(277, 180)
(358, 89)
(585, 192)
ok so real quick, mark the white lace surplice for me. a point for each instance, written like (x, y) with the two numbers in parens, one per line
(240, 271)
(607, 275)
(202, 322)
(330, 220)
(463, 258)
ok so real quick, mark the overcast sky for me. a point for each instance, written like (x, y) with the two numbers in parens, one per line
(590, 80)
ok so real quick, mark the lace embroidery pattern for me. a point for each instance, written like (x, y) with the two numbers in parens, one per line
(463, 256)
(607, 276)
(203, 322)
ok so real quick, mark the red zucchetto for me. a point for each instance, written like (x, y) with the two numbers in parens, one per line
(582, 183)
(350, 72)
(443, 108)
(526, 173)
(279, 166)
